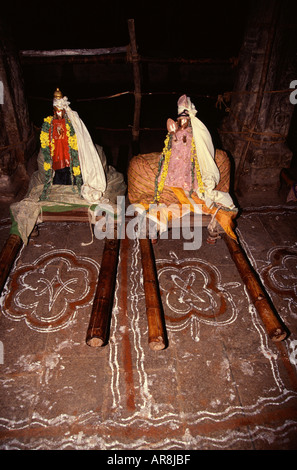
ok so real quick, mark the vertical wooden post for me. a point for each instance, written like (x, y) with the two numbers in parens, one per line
(260, 92)
(17, 136)
(253, 134)
(137, 86)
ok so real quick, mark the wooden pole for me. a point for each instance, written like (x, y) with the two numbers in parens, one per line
(97, 334)
(276, 331)
(156, 326)
(137, 86)
(74, 52)
(7, 257)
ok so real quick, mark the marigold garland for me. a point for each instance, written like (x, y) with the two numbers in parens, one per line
(164, 162)
(195, 165)
(46, 166)
(47, 148)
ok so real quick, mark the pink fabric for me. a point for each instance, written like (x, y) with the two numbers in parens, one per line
(179, 170)
(182, 102)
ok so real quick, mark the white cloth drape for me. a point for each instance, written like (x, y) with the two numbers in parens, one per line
(205, 154)
(94, 179)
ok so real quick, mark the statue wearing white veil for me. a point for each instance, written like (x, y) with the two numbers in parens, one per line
(72, 171)
(67, 144)
(188, 171)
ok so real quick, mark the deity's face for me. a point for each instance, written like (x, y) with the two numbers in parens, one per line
(183, 122)
(60, 113)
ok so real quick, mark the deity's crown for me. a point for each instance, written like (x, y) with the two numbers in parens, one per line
(58, 95)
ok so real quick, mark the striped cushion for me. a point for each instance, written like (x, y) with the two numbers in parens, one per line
(142, 173)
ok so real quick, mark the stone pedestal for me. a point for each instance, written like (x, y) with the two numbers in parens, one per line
(260, 112)
(17, 139)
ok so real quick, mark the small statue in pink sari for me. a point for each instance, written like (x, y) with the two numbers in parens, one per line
(180, 165)
(187, 172)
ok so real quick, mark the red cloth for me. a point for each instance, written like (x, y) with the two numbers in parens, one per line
(61, 158)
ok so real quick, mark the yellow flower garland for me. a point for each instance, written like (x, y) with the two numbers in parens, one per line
(76, 170)
(44, 139)
(167, 154)
(52, 147)
(198, 172)
(71, 138)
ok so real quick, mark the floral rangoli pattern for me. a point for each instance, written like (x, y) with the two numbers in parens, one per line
(280, 275)
(194, 294)
(48, 292)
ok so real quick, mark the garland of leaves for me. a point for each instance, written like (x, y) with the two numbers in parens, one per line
(164, 164)
(47, 148)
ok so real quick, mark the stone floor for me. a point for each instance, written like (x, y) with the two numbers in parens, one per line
(220, 384)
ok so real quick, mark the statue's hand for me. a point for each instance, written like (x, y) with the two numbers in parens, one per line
(172, 126)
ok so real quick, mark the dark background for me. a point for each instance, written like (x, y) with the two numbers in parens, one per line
(171, 28)
(166, 30)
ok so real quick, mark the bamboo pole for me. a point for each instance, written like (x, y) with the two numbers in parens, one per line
(137, 85)
(156, 326)
(275, 329)
(74, 52)
(98, 329)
